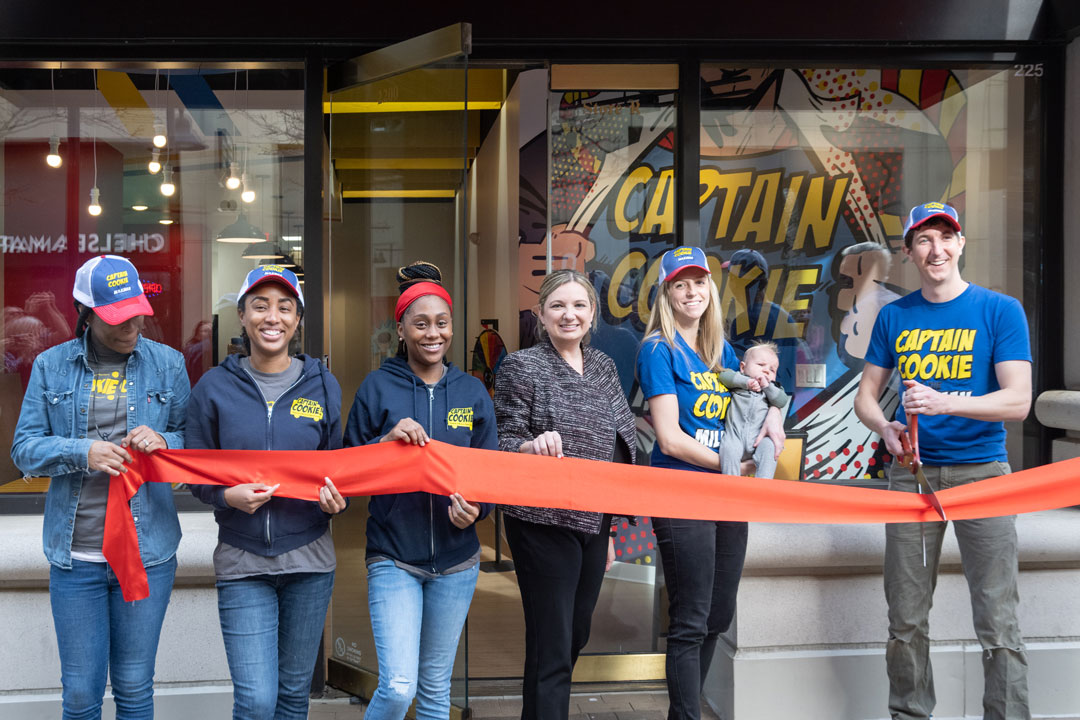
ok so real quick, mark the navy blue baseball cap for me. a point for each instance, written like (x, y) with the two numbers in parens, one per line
(921, 214)
(278, 274)
(110, 285)
(675, 261)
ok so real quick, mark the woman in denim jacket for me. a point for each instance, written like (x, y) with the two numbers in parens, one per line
(82, 416)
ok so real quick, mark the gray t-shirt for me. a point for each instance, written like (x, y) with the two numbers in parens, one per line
(107, 420)
(233, 563)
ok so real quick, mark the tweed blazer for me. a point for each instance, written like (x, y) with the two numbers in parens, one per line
(536, 391)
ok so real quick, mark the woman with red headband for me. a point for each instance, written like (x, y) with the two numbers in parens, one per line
(422, 551)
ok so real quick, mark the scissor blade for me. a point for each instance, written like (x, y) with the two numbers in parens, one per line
(925, 489)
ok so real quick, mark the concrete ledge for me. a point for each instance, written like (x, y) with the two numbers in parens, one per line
(811, 620)
(180, 701)
(190, 651)
(1047, 539)
(23, 563)
(1059, 409)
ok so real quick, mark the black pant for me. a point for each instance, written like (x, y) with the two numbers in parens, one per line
(703, 562)
(559, 573)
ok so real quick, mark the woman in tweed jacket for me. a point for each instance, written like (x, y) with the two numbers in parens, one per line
(560, 397)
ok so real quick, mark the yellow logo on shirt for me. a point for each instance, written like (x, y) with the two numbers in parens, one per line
(945, 354)
(460, 418)
(304, 408)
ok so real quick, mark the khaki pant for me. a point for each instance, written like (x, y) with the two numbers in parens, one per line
(988, 555)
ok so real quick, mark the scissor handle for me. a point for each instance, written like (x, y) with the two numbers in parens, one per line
(914, 422)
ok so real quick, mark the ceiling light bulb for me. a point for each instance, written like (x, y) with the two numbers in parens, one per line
(155, 163)
(166, 221)
(138, 208)
(232, 182)
(159, 136)
(53, 158)
(248, 195)
(95, 202)
(167, 187)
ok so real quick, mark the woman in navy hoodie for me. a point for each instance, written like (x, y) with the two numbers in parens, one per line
(275, 558)
(422, 551)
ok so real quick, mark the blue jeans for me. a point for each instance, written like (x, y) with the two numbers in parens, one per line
(417, 624)
(99, 634)
(703, 563)
(272, 625)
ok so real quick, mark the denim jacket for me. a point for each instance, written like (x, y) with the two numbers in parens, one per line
(51, 439)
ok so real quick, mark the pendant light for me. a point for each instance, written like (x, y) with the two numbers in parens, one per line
(241, 231)
(233, 181)
(160, 139)
(248, 194)
(154, 166)
(53, 159)
(265, 250)
(167, 186)
(95, 195)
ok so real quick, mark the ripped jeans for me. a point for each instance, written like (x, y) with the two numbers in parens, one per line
(988, 554)
(417, 623)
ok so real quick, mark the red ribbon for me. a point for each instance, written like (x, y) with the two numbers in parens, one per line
(518, 479)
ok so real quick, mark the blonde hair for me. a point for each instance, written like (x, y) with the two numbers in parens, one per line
(710, 334)
(552, 282)
(763, 345)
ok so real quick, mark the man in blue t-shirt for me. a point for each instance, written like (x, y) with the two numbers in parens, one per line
(964, 361)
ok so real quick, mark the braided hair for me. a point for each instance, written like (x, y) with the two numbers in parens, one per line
(415, 272)
(419, 271)
(84, 319)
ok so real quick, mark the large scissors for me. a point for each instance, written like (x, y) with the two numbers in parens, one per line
(909, 440)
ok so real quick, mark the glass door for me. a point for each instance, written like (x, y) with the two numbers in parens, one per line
(398, 131)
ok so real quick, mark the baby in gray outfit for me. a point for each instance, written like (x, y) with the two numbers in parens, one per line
(753, 391)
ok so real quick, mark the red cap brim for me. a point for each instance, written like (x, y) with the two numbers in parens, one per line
(684, 268)
(122, 311)
(944, 216)
(278, 280)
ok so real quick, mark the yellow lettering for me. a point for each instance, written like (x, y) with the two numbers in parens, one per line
(643, 310)
(790, 198)
(817, 219)
(929, 367)
(637, 179)
(900, 340)
(661, 213)
(632, 261)
(757, 217)
(963, 364)
(735, 294)
(729, 184)
(966, 341)
(795, 301)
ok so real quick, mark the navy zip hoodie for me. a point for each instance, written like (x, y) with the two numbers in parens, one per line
(414, 528)
(227, 411)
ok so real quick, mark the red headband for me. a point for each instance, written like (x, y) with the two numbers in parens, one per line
(417, 291)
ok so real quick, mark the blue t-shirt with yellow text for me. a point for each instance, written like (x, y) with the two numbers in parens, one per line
(703, 399)
(952, 347)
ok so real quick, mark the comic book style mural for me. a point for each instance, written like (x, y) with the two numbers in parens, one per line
(805, 175)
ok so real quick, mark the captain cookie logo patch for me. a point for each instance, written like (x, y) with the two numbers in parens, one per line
(304, 408)
(459, 418)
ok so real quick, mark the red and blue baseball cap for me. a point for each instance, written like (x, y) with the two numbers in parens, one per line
(921, 214)
(675, 261)
(110, 285)
(275, 274)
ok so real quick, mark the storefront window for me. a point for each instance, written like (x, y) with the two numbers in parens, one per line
(223, 192)
(806, 176)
